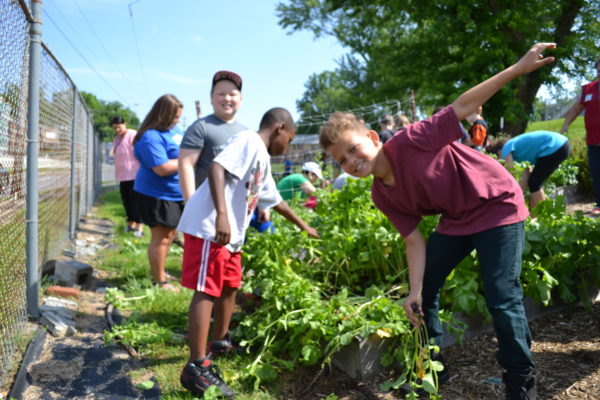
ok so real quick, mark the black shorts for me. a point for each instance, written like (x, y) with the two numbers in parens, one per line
(159, 212)
(545, 166)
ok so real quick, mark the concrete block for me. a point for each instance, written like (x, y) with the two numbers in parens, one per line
(62, 291)
(61, 318)
(360, 359)
(59, 302)
(62, 311)
(72, 272)
(54, 324)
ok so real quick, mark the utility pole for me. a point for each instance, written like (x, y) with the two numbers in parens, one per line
(198, 110)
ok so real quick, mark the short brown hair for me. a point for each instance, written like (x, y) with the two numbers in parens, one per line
(337, 124)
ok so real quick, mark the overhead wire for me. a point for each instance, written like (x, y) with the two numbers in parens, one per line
(137, 47)
(103, 47)
(86, 60)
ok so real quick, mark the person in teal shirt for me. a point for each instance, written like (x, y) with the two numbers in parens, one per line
(544, 149)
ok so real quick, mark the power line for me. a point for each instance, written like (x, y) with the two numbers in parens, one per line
(137, 47)
(85, 59)
(103, 47)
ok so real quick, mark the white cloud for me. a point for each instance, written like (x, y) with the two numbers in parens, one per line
(178, 78)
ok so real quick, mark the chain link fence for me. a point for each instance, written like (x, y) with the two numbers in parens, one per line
(68, 166)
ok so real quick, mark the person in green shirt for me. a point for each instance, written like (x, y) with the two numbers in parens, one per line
(300, 185)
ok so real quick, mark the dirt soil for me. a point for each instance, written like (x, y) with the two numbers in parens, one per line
(566, 350)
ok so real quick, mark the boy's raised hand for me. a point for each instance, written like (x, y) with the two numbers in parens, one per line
(534, 58)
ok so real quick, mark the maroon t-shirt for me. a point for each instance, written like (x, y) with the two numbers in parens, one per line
(434, 175)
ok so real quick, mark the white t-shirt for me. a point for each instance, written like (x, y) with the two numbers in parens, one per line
(248, 183)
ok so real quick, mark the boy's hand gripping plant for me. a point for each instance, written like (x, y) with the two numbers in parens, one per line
(419, 371)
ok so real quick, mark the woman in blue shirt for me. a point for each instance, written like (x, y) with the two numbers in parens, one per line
(156, 147)
(544, 149)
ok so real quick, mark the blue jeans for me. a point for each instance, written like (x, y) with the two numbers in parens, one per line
(499, 251)
(594, 161)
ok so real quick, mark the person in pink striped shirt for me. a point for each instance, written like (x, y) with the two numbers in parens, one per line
(126, 167)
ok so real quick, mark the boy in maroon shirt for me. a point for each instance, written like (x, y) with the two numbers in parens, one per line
(422, 171)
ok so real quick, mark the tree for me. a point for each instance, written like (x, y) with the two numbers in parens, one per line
(442, 48)
(103, 111)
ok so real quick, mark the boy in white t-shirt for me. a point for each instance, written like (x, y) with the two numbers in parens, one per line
(214, 223)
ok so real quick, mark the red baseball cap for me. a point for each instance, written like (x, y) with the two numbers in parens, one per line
(229, 76)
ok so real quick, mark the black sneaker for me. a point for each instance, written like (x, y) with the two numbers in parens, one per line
(520, 387)
(443, 375)
(201, 374)
(217, 348)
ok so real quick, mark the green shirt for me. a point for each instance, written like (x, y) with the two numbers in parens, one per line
(289, 186)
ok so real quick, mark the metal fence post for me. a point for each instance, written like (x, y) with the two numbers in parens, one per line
(72, 206)
(33, 148)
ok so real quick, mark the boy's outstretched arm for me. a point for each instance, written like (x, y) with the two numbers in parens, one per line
(284, 209)
(216, 181)
(468, 102)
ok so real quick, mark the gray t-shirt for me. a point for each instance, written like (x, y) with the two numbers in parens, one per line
(209, 134)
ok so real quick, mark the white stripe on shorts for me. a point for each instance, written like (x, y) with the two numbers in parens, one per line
(201, 286)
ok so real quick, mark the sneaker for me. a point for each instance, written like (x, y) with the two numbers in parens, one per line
(201, 374)
(138, 234)
(217, 348)
(520, 387)
(443, 375)
(595, 211)
(128, 228)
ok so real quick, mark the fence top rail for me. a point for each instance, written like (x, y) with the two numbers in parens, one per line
(26, 10)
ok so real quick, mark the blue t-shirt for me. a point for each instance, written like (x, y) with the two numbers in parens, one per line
(152, 149)
(533, 145)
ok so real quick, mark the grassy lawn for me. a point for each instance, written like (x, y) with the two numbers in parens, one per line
(576, 129)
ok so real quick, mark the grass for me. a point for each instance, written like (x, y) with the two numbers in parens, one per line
(576, 129)
(164, 356)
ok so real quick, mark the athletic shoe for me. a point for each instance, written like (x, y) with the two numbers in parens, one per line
(520, 387)
(128, 228)
(138, 234)
(201, 374)
(595, 211)
(217, 348)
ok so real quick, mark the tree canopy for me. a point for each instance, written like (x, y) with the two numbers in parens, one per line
(103, 111)
(442, 48)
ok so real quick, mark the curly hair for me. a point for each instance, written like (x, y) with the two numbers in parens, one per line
(337, 124)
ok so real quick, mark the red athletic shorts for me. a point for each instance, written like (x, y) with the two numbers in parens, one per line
(208, 266)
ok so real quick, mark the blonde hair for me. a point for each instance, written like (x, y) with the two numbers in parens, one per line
(337, 124)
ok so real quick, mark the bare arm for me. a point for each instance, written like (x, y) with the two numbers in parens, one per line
(187, 177)
(216, 180)
(571, 115)
(284, 209)
(307, 188)
(166, 169)
(509, 161)
(415, 257)
(468, 102)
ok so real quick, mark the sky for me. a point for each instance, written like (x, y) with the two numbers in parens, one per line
(177, 46)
